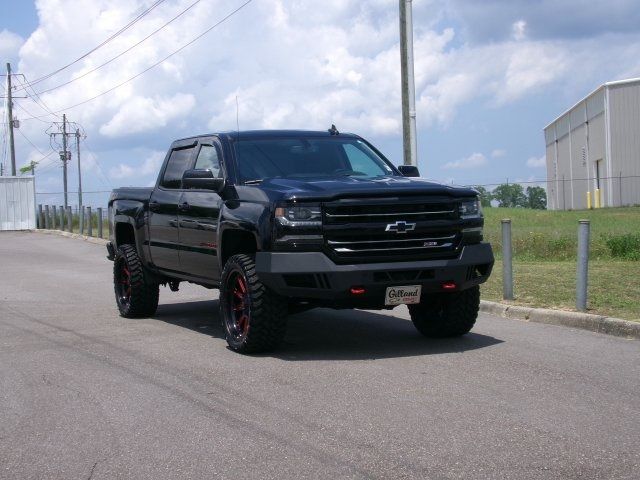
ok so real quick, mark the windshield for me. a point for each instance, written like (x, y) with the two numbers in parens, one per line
(264, 158)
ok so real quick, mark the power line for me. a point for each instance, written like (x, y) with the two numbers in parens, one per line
(102, 44)
(95, 158)
(122, 53)
(37, 100)
(27, 139)
(159, 62)
(31, 116)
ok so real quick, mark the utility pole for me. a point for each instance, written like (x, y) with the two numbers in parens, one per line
(79, 172)
(10, 121)
(410, 146)
(65, 158)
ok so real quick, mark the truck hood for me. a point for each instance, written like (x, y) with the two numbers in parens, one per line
(323, 188)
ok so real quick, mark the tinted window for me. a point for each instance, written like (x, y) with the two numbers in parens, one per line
(307, 157)
(177, 164)
(208, 159)
(361, 161)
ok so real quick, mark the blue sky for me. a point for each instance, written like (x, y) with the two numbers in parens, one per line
(489, 76)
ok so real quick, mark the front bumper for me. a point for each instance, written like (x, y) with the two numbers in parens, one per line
(313, 276)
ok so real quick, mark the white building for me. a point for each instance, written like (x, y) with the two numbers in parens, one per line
(595, 145)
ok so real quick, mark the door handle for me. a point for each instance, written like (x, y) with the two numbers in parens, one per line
(184, 206)
(154, 206)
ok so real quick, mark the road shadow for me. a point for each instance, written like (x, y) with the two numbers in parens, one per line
(325, 334)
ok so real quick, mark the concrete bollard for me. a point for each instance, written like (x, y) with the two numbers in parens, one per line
(89, 222)
(62, 217)
(507, 264)
(81, 219)
(69, 219)
(582, 271)
(99, 222)
(47, 219)
(40, 216)
(54, 217)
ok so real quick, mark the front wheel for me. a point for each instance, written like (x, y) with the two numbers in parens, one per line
(254, 317)
(446, 314)
(136, 295)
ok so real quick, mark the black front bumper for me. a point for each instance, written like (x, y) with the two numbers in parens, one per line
(313, 276)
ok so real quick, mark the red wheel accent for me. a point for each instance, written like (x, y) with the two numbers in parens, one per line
(124, 283)
(239, 300)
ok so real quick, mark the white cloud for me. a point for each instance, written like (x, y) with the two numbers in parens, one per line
(530, 67)
(149, 166)
(535, 162)
(10, 44)
(474, 160)
(518, 30)
(141, 114)
(498, 153)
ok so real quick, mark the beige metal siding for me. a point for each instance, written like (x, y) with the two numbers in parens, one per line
(578, 169)
(552, 179)
(564, 173)
(624, 171)
(597, 152)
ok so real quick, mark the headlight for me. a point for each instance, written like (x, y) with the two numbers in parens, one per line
(470, 208)
(298, 227)
(299, 216)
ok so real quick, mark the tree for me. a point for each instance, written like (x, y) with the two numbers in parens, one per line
(536, 198)
(510, 195)
(485, 196)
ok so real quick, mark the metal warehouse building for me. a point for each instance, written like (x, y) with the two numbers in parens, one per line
(593, 150)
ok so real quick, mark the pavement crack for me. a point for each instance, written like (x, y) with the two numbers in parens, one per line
(93, 469)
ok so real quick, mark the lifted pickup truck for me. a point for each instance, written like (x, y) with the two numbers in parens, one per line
(282, 221)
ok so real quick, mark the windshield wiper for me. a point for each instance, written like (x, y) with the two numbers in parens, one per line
(253, 182)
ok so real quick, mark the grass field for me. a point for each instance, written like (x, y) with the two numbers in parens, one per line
(545, 244)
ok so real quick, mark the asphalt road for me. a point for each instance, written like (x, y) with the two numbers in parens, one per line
(85, 393)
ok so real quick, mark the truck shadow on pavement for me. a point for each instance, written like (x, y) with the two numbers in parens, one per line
(325, 334)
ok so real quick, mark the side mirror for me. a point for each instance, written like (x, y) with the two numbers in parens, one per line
(202, 180)
(409, 170)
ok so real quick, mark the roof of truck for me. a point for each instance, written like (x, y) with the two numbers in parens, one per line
(248, 134)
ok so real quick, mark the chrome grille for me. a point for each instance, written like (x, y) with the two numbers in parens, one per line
(357, 230)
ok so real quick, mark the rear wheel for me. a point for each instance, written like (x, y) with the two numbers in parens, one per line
(254, 317)
(446, 314)
(136, 295)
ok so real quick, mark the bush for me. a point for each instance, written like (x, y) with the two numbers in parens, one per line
(625, 246)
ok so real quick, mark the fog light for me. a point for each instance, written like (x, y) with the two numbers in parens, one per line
(449, 286)
(357, 290)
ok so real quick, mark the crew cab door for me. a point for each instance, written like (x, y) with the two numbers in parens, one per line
(198, 215)
(164, 240)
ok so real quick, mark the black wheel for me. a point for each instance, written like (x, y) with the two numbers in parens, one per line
(254, 317)
(136, 295)
(446, 314)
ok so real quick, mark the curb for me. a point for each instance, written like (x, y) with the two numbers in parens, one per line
(99, 241)
(583, 321)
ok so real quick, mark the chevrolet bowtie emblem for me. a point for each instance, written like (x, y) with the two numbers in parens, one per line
(400, 227)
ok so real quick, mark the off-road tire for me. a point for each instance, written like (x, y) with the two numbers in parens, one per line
(254, 318)
(136, 294)
(446, 314)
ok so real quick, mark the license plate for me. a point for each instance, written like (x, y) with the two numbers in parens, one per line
(406, 294)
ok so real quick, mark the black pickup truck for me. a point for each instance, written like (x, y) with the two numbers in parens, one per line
(282, 221)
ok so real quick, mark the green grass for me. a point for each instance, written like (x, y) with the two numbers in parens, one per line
(552, 235)
(544, 257)
(613, 286)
